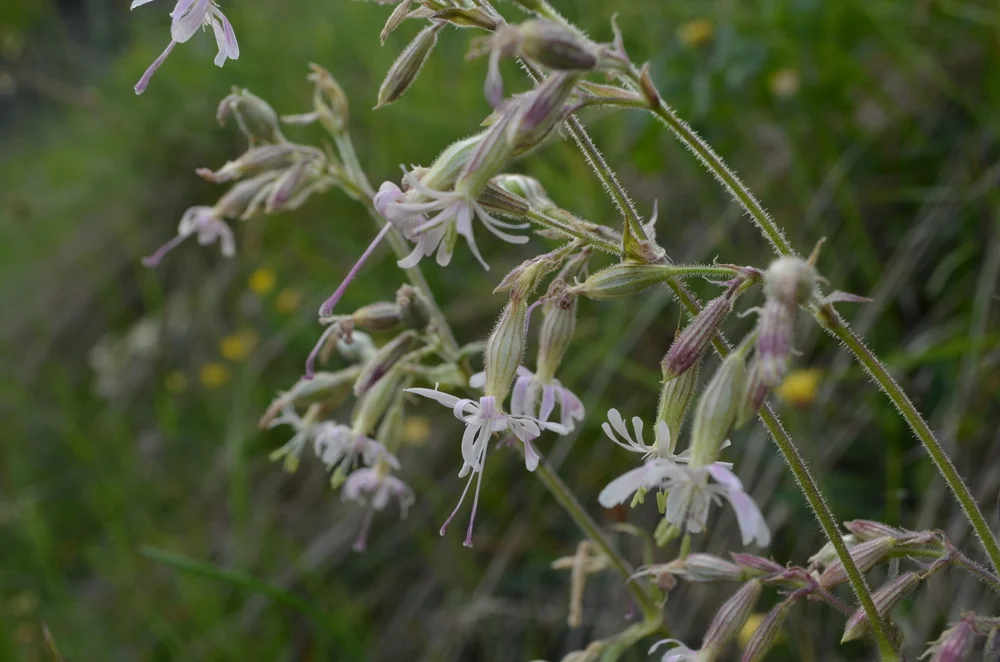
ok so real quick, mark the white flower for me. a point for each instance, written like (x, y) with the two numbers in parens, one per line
(482, 420)
(448, 212)
(339, 446)
(204, 222)
(373, 487)
(690, 495)
(532, 397)
(188, 16)
(679, 653)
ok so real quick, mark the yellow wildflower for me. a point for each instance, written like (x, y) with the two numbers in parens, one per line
(800, 386)
(262, 281)
(288, 300)
(416, 431)
(238, 346)
(214, 374)
(695, 33)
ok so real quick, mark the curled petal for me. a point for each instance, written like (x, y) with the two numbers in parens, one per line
(622, 488)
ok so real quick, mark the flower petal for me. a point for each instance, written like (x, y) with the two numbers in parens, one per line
(724, 476)
(189, 15)
(748, 515)
(446, 399)
(622, 488)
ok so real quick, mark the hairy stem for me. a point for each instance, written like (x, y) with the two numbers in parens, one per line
(646, 602)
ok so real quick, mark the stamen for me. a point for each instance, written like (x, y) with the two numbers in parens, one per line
(327, 308)
(161, 252)
(362, 542)
(143, 83)
(311, 359)
(459, 505)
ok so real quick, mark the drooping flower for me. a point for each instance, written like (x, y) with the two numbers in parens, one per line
(188, 16)
(373, 489)
(339, 448)
(207, 223)
(690, 494)
(436, 218)
(537, 399)
(482, 420)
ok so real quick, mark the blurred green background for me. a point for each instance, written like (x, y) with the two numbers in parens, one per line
(129, 397)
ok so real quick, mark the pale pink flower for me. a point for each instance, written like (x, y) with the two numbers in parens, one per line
(204, 222)
(679, 653)
(373, 489)
(482, 420)
(187, 16)
(535, 398)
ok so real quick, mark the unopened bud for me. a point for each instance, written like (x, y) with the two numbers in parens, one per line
(622, 280)
(378, 316)
(764, 636)
(254, 116)
(556, 47)
(696, 337)
(487, 159)
(254, 161)
(504, 349)
(954, 644)
(384, 360)
(675, 398)
(790, 281)
(467, 18)
(885, 598)
(359, 349)
(865, 529)
(541, 110)
(709, 568)
(373, 404)
(717, 408)
(450, 163)
(865, 556)
(292, 183)
(407, 66)
(754, 395)
(396, 18)
(330, 387)
(329, 100)
(525, 277)
(391, 430)
(731, 617)
(416, 309)
(528, 188)
(774, 341)
(558, 325)
(239, 196)
(758, 565)
(501, 201)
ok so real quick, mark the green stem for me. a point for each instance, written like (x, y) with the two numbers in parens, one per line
(646, 602)
(832, 322)
(570, 231)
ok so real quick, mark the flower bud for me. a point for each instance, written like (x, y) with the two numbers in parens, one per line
(717, 408)
(236, 200)
(450, 163)
(254, 161)
(359, 349)
(525, 277)
(556, 47)
(528, 188)
(885, 598)
(622, 280)
(391, 430)
(501, 201)
(709, 568)
(675, 399)
(694, 340)
(384, 359)
(417, 310)
(955, 643)
(765, 634)
(754, 396)
(731, 617)
(487, 159)
(378, 316)
(329, 100)
(292, 183)
(774, 341)
(790, 281)
(865, 529)
(541, 110)
(254, 116)
(407, 66)
(467, 18)
(373, 404)
(865, 556)
(758, 565)
(558, 325)
(504, 349)
(330, 387)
